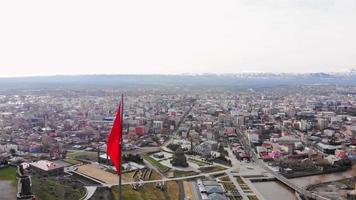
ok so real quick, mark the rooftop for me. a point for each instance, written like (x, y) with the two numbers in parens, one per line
(46, 165)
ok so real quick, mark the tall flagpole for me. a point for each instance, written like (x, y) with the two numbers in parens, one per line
(120, 144)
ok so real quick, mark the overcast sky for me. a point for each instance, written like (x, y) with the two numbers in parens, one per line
(41, 37)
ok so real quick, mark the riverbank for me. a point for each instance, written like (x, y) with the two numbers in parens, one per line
(314, 173)
(272, 190)
(316, 179)
(336, 189)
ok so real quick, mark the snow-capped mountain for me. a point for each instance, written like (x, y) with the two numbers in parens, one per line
(252, 79)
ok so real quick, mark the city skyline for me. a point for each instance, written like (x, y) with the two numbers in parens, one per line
(173, 100)
(213, 143)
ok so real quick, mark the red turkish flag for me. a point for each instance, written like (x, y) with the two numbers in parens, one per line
(114, 141)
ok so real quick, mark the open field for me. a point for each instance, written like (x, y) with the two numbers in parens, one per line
(184, 173)
(51, 189)
(8, 183)
(198, 162)
(155, 163)
(150, 192)
(97, 173)
(86, 155)
(8, 174)
(188, 190)
(155, 176)
(128, 177)
(71, 161)
(210, 169)
(349, 182)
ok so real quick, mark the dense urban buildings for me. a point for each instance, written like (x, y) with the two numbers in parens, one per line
(181, 142)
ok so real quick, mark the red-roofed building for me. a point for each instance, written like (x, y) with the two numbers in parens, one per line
(340, 154)
(140, 130)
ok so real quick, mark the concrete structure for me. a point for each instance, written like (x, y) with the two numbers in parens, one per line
(211, 190)
(46, 168)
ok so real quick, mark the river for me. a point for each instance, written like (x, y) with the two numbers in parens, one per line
(311, 180)
(275, 190)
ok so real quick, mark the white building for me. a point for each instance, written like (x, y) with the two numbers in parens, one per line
(8, 147)
(157, 125)
(322, 123)
(253, 137)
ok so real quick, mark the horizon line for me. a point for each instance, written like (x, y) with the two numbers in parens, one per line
(170, 74)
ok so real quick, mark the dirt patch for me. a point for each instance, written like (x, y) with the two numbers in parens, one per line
(96, 172)
(188, 190)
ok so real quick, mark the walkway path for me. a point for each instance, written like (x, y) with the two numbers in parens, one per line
(173, 179)
(237, 186)
(90, 192)
(7, 190)
(181, 190)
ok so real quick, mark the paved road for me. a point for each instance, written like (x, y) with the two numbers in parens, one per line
(181, 190)
(174, 132)
(146, 150)
(7, 191)
(196, 190)
(90, 190)
(235, 163)
(174, 179)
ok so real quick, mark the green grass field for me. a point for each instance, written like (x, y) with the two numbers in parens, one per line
(86, 155)
(348, 182)
(51, 189)
(149, 192)
(198, 162)
(210, 169)
(71, 161)
(184, 173)
(155, 163)
(8, 174)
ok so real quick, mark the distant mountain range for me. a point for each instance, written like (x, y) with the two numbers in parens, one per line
(193, 80)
